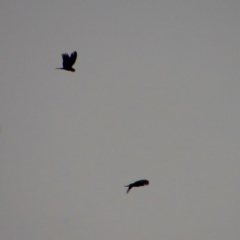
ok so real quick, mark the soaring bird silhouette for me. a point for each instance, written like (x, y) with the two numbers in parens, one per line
(139, 183)
(68, 62)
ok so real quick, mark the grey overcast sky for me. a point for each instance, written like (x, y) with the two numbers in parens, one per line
(155, 95)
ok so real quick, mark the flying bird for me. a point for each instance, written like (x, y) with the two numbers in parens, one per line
(139, 183)
(68, 61)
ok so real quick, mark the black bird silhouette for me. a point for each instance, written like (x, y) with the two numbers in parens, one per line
(139, 183)
(68, 62)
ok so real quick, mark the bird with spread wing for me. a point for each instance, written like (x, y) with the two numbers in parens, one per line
(68, 61)
(139, 183)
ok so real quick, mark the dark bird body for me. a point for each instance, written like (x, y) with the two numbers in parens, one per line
(68, 61)
(139, 183)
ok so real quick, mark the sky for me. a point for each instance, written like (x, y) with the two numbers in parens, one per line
(155, 96)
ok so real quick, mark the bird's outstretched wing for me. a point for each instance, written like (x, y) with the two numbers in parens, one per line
(66, 60)
(73, 58)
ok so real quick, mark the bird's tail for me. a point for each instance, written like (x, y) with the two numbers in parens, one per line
(129, 188)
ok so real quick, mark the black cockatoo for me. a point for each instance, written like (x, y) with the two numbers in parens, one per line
(139, 183)
(68, 61)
